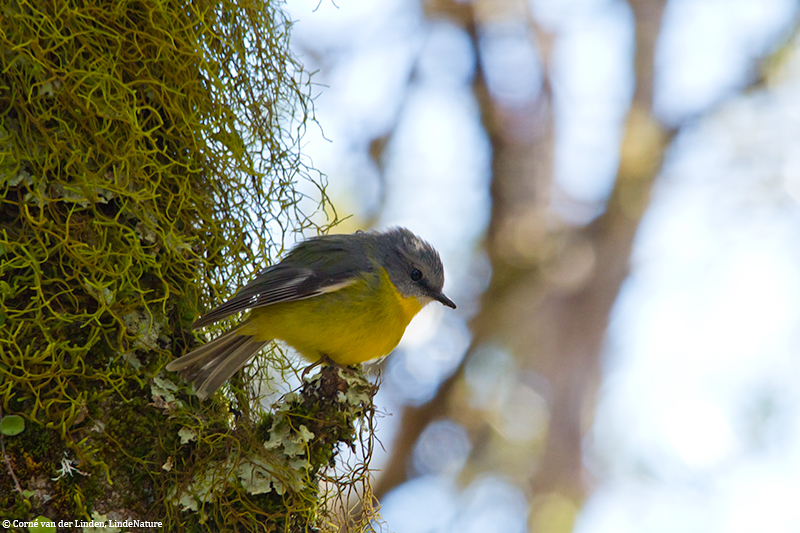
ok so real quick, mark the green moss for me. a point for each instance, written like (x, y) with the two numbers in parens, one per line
(148, 163)
(288, 451)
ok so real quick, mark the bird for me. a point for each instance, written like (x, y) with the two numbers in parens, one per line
(344, 299)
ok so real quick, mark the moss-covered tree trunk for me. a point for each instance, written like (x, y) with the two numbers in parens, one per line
(143, 145)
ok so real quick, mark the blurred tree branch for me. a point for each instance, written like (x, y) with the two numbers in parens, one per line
(552, 288)
(553, 284)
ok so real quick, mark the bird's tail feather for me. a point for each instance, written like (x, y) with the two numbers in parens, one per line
(212, 364)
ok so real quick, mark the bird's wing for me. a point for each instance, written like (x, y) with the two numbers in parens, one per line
(328, 264)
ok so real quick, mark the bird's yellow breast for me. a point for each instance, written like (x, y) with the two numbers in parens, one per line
(362, 321)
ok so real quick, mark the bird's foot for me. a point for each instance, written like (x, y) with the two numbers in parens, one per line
(324, 359)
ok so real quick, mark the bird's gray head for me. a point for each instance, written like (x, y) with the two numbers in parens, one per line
(413, 266)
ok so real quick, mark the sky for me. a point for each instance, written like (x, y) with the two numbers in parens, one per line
(696, 427)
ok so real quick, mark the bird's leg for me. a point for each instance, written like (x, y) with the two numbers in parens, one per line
(311, 367)
(349, 369)
(324, 359)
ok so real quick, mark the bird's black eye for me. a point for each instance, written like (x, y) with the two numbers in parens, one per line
(416, 275)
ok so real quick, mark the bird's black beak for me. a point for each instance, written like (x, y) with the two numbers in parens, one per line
(440, 297)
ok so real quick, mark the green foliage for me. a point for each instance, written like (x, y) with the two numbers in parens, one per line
(42, 524)
(148, 163)
(12, 425)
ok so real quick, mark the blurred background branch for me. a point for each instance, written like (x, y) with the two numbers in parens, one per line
(553, 285)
